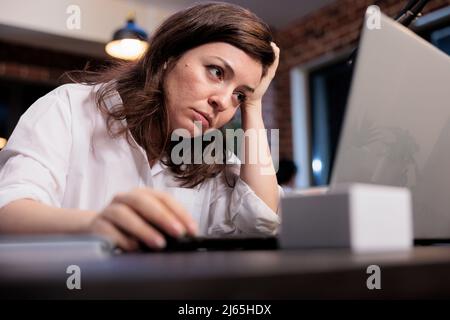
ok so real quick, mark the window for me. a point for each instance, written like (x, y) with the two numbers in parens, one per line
(435, 28)
(329, 88)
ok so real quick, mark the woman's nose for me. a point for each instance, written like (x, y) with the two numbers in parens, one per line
(219, 102)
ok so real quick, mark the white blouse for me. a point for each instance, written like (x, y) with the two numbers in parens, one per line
(61, 154)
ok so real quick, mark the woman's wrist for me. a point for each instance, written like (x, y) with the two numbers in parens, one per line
(253, 110)
(85, 221)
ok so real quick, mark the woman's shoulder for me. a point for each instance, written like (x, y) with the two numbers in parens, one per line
(73, 90)
(64, 94)
(72, 95)
(65, 102)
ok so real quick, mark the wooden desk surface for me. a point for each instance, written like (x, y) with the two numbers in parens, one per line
(423, 272)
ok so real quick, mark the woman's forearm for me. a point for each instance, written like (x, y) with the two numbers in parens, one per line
(257, 170)
(26, 216)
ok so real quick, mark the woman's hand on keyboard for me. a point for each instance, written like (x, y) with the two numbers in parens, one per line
(143, 215)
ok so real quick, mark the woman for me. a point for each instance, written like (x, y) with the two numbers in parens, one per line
(95, 156)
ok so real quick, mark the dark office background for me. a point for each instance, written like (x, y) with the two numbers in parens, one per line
(31, 73)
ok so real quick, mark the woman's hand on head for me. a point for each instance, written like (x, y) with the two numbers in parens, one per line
(254, 100)
(135, 216)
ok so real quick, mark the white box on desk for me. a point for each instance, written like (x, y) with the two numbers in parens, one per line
(362, 217)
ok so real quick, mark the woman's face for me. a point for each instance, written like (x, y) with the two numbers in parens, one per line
(208, 84)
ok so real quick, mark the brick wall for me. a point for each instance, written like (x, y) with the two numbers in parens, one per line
(333, 28)
(27, 63)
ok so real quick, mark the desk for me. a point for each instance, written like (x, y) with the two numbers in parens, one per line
(423, 272)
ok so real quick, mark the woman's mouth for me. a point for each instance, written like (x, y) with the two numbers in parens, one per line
(198, 116)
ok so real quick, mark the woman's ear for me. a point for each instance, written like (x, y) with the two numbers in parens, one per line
(165, 65)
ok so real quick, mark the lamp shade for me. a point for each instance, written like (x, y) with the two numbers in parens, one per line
(129, 42)
(2, 143)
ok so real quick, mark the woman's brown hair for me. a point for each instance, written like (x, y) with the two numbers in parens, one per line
(140, 83)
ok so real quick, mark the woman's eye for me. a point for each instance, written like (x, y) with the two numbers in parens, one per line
(241, 97)
(216, 71)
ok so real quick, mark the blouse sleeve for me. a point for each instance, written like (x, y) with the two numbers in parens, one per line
(35, 160)
(237, 209)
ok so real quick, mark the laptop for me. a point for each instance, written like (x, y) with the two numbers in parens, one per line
(396, 129)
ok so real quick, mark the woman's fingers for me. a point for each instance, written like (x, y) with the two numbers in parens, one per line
(274, 66)
(150, 208)
(179, 211)
(145, 215)
(107, 229)
(255, 98)
(126, 219)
